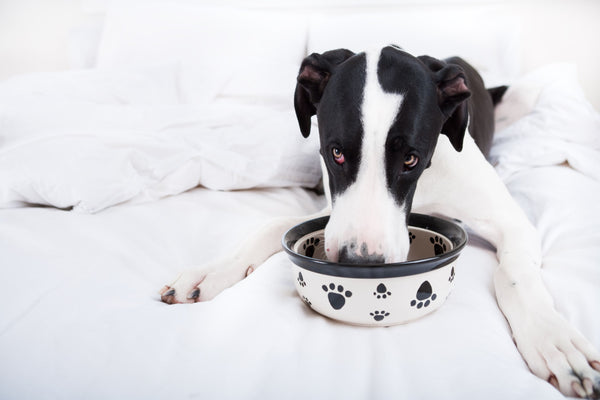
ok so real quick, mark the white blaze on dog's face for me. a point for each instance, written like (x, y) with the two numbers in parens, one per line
(367, 223)
(379, 115)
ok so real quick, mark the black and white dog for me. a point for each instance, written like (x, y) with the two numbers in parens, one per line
(380, 116)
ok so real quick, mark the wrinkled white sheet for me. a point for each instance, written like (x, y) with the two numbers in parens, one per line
(82, 319)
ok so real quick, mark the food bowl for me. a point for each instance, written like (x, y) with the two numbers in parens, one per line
(377, 294)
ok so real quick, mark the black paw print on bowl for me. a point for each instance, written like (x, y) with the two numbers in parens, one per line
(305, 299)
(310, 246)
(381, 292)
(379, 315)
(452, 275)
(337, 300)
(439, 247)
(301, 281)
(424, 296)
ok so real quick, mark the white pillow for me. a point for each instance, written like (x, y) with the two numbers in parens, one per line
(221, 50)
(40, 104)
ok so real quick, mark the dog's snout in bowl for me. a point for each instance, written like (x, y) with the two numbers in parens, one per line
(373, 293)
(349, 255)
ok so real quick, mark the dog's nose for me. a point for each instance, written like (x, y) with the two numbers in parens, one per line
(359, 254)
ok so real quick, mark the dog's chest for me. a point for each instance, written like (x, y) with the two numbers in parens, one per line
(437, 188)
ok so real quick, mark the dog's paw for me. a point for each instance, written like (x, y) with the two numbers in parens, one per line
(202, 284)
(557, 352)
(184, 289)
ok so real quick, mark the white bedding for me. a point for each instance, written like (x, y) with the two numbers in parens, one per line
(100, 207)
(82, 317)
(91, 139)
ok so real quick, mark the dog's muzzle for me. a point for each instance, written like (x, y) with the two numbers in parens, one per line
(354, 253)
(368, 241)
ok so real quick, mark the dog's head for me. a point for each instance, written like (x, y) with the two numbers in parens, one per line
(379, 116)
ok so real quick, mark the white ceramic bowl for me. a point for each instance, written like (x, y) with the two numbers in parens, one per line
(377, 294)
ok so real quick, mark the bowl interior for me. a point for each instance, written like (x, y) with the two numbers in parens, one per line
(424, 244)
(435, 243)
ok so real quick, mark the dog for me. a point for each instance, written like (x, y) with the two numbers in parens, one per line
(393, 139)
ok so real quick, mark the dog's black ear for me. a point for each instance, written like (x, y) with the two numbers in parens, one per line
(496, 93)
(313, 76)
(452, 92)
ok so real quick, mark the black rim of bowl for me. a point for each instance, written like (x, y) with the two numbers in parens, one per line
(454, 232)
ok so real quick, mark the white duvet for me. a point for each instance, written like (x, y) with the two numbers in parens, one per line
(88, 140)
(82, 317)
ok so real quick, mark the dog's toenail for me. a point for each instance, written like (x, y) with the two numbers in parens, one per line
(577, 388)
(169, 292)
(194, 294)
(553, 381)
(588, 385)
(249, 270)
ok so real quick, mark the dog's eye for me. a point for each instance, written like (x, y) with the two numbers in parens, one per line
(338, 156)
(411, 161)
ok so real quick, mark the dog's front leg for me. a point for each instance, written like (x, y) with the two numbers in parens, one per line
(467, 187)
(205, 282)
(553, 349)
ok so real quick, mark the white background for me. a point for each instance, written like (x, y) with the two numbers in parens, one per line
(38, 35)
